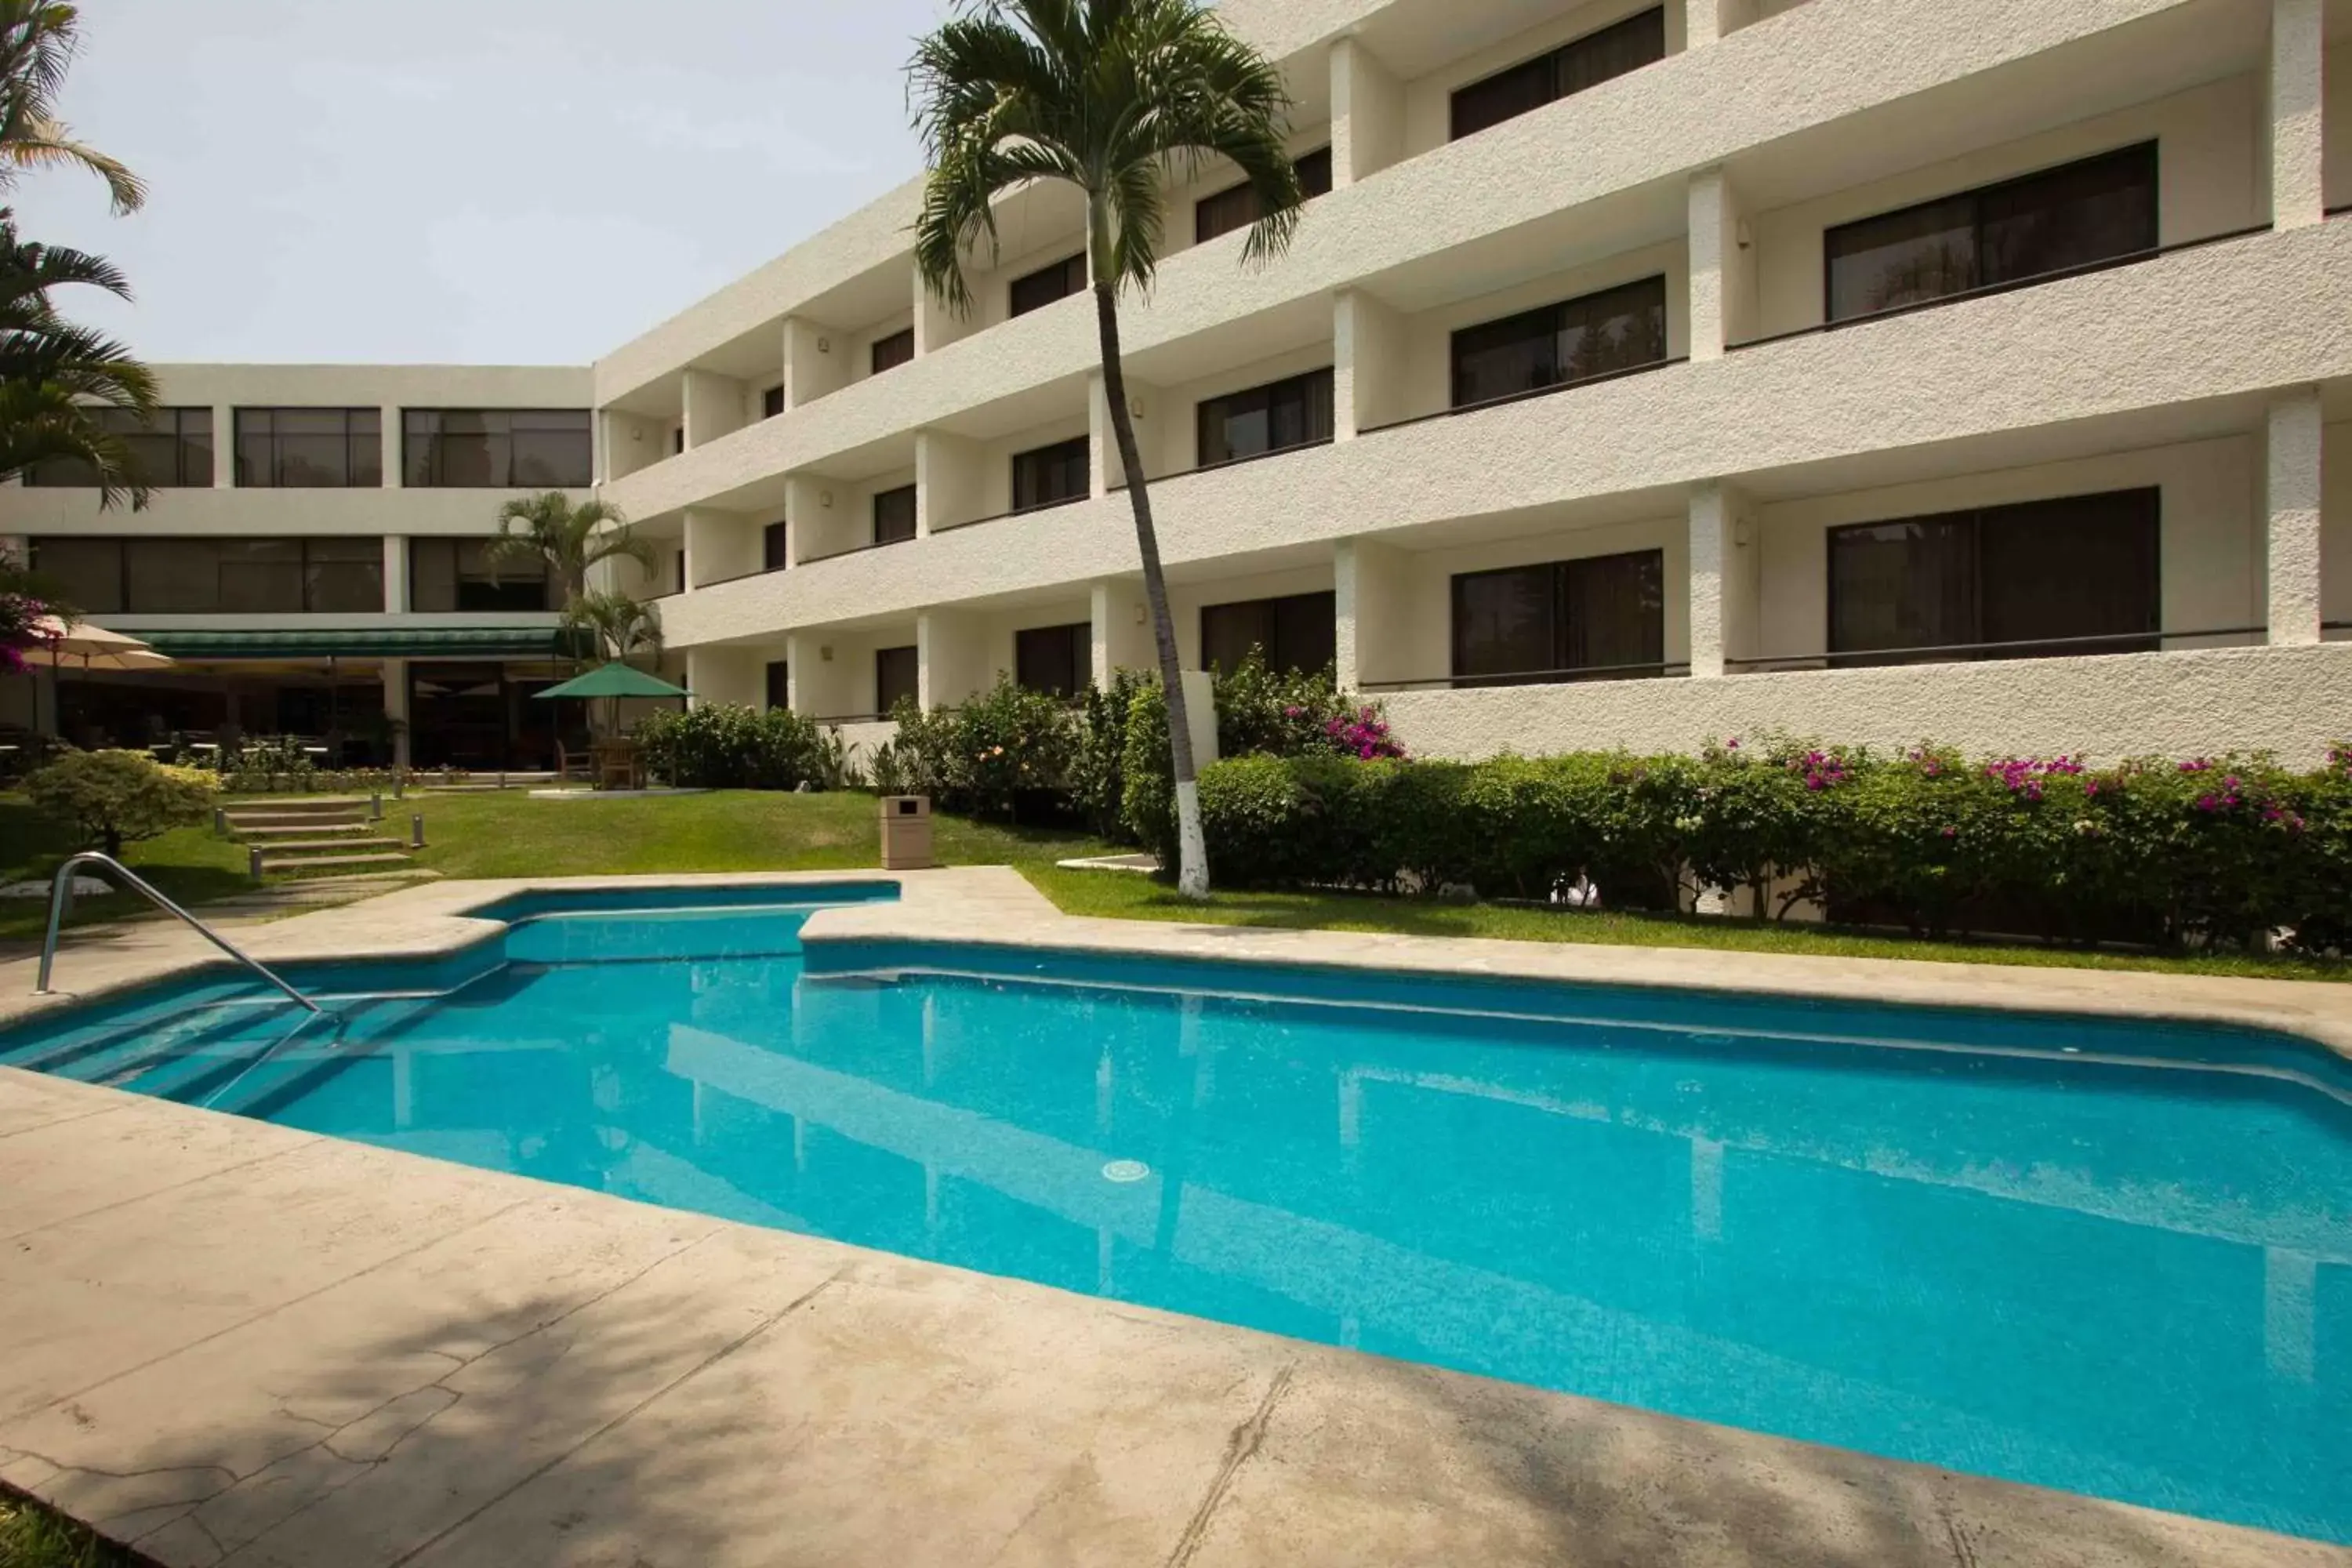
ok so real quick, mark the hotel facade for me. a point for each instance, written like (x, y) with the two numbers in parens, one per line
(1878, 370)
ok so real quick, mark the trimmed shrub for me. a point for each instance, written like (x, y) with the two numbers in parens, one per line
(729, 746)
(2221, 851)
(111, 798)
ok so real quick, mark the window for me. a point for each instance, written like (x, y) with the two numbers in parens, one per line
(1602, 617)
(1300, 632)
(1270, 418)
(173, 452)
(775, 547)
(1050, 475)
(2081, 213)
(894, 351)
(677, 572)
(309, 449)
(1056, 661)
(895, 677)
(449, 575)
(894, 515)
(1236, 206)
(772, 403)
(779, 683)
(1591, 60)
(497, 449)
(1617, 329)
(1047, 284)
(2081, 566)
(217, 576)
(677, 440)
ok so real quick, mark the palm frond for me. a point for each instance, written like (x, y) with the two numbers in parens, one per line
(38, 42)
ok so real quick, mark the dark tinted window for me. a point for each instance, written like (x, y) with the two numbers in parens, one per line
(497, 449)
(779, 683)
(1042, 287)
(311, 448)
(1049, 476)
(1056, 660)
(1589, 61)
(1236, 206)
(217, 576)
(894, 515)
(775, 548)
(1617, 329)
(895, 676)
(2081, 213)
(772, 403)
(894, 351)
(1300, 631)
(2079, 567)
(174, 451)
(1296, 412)
(1603, 615)
(445, 574)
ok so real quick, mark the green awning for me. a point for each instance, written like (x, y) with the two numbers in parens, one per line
(613, 681)
(364, 642)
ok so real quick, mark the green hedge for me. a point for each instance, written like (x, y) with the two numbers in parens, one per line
(2224, 850)
(727, 746)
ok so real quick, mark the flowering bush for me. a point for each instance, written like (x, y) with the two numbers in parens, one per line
(2223, 849)
(723, 745)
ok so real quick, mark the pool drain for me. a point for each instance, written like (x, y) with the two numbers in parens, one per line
(1126, 1171)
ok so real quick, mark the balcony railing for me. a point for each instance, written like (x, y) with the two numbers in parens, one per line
(1016, 511)
(740, 576)
(1534, 392)
(1579, 674)
(1956, 653)
(857, 549)
(2010, 286)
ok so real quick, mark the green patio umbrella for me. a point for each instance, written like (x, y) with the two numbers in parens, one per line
(615, 680)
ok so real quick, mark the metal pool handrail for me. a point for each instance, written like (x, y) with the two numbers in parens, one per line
(64, 881)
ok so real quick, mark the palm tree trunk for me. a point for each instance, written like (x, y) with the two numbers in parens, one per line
(1193, 849)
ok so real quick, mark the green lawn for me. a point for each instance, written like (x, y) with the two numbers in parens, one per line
(33, 1537)
(509, 834)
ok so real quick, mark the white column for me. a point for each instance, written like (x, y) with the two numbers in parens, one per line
(1722, 581)
(1105, 470)
(395, 471)
(947, 481)
(395, 708)
(2298, 51)
(720, 546)
(816, 361)
(1367, 363)
(1706, 21)
(2292, 567)
(396, 594)
(1722, 267)
(950, 658)
(224, 448)
(1123, 630)
(936, 326)
(1367, 113)
(713, 407)
(1370, 581)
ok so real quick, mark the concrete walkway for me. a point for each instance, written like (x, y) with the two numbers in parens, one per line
(233, 1342)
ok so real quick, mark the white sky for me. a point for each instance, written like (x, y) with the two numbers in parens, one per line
(466, 181)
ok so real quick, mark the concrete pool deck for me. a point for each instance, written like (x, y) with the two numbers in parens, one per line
(235, 1342)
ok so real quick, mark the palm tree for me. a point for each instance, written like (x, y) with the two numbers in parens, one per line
(1115, 97)
(571, 540)
(620, 625)
(56, 378)
(39, 40)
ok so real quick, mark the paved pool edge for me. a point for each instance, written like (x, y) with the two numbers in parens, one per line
(239, 1344)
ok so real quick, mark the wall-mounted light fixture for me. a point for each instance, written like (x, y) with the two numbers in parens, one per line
(824, 499)
(824, 654)
(825, 346)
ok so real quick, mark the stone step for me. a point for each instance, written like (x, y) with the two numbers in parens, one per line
(302, 846)
(349, 816)
(296, 829)
(299, 803)
(308, 863)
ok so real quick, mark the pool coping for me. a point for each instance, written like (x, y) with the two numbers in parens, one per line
(995, 906)
(242, 1343)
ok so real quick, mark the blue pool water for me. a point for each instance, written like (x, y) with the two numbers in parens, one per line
(2115, 1259)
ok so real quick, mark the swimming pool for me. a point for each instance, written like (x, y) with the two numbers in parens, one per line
(2113, 1258)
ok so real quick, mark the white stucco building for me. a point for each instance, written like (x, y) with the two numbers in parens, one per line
(1877, 369)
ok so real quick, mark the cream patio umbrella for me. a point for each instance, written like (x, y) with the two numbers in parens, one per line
(88, 647)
